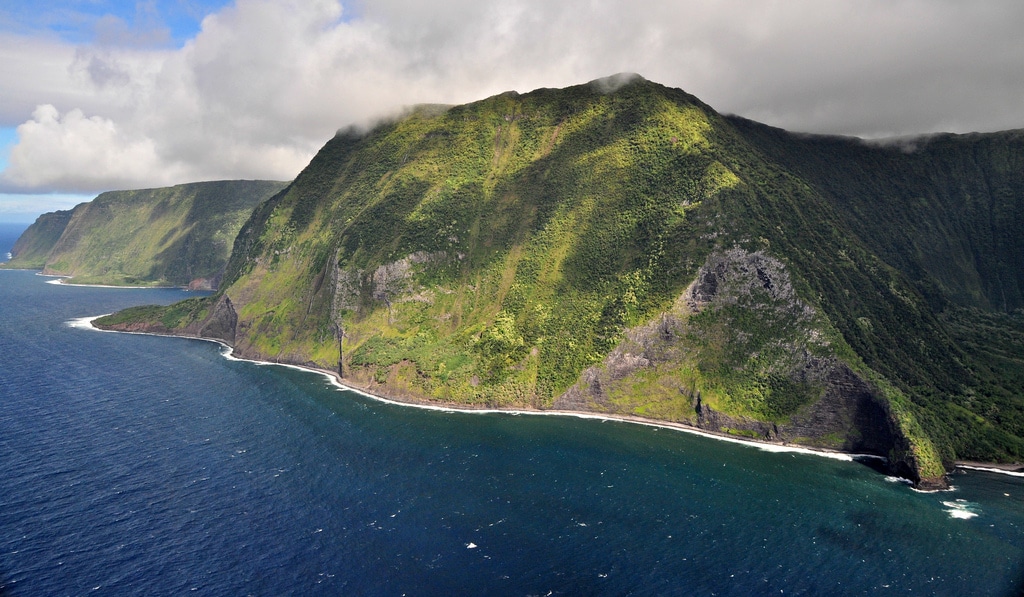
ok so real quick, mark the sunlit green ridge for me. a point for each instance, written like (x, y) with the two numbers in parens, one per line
(34, 245)
(173, 236)
(623, 248)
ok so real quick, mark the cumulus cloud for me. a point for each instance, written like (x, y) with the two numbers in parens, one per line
(266, 82)
(72, 150)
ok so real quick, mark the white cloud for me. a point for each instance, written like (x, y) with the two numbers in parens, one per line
(35, 71)
(266, 82)
(74, 151)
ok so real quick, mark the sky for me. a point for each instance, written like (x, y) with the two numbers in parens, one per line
(99, 95)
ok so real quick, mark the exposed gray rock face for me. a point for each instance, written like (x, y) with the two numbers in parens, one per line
(843, 412)
(385, 284)
(222, 322)
(346, 289)
(733, 274)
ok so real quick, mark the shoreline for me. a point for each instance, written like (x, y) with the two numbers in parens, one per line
(335, 380)
(60, 281)
(64, 280)
(604, 417)
(1013, 470)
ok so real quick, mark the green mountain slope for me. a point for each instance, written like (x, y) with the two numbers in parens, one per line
(34, 245)
(172, 236)
(620, 247)
(946, 212)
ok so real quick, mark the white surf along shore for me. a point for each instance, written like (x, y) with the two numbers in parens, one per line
(85, 323)
(59, 280)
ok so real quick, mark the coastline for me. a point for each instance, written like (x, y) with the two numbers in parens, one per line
(59, 280)
(1016, 470)
(85, 323)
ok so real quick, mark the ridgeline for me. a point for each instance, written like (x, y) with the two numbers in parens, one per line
(620, 247)
(174, 236)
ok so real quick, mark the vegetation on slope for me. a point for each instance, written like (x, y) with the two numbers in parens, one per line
(35, 243)
(494, 253)
(943, 214)
(163, 237)
(528, 222)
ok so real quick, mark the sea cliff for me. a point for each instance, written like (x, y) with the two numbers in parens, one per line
(625, 249)
(173, 236)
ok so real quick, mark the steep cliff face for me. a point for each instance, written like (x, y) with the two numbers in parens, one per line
(740, 353)
(34, 245)
(626, 249)
(939, 218)
(946, 210)
(175, 236)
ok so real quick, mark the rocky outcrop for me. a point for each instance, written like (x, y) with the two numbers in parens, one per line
(221, 323)
(388, 282)
(729, 276)
(825, 403)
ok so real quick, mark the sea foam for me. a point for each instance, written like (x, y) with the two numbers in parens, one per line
(227, 353)
(83, 323)
(991, 470)
(961, 509)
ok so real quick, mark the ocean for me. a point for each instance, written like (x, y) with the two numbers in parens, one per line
(9, 234)
(145, 465)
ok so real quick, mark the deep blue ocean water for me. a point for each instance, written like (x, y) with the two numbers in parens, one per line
(143, 465)
(9, 233)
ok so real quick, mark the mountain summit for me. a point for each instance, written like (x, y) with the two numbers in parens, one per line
(620, 247)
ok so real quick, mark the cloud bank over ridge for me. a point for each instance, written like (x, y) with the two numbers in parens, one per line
(266, 82)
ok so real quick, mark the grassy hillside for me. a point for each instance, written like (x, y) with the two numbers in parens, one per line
(631, 251)
(34, 245)
(169, 236)
(499, 247)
